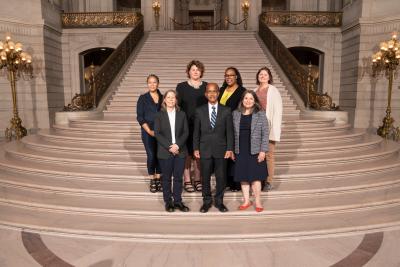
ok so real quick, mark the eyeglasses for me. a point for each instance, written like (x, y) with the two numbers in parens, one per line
(229, 75)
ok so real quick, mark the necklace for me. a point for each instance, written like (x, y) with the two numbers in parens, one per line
(194, 86)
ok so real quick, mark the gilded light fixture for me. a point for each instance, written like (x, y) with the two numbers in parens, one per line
(17, 63)
(156, 9)
(245, 8)
(386, 61)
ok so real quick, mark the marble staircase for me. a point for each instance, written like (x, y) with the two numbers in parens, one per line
(88, 178)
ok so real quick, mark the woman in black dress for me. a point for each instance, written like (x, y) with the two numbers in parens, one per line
(251, 146)
(191, 96)
(147, 106)
(230, 93)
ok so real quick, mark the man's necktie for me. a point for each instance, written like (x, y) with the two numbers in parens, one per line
(213, 117)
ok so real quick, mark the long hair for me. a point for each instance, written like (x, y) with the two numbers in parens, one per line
(196, 63)
(256, 107)
(269, 74)
(164, 106)
(238, 77)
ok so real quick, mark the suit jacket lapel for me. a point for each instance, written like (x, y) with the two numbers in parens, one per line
(166, 118)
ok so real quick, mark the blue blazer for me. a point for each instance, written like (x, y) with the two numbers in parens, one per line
(146, 109)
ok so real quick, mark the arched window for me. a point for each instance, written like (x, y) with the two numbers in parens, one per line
(96, 56)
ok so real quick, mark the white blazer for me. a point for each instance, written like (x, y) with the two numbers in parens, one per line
(274, 113)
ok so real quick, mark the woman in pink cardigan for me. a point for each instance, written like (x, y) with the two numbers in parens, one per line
(271, 102)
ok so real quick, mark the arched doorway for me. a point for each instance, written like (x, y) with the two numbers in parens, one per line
(307, 55)
(96, 56)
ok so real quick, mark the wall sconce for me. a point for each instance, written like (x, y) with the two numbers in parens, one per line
(156, 9)
(245, 8)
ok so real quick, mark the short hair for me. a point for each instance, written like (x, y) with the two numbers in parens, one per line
(238, 77)
(164, 106)
(196, 63)
(154, 76)
(213, 84)
(257, 105)
(269, 74)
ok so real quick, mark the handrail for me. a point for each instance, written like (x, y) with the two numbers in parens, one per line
(113, 64)
(103, 77)
(303, 18)
(100, 19)
(289, 64)
(302, 79)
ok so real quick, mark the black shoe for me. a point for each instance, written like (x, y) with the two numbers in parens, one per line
(158, 185)
(221, 207)
(267, 187)
(181, 207)
(169, 207)
(205, 207)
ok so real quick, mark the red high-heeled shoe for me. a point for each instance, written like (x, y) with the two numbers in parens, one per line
(259, 209)
(243, 207)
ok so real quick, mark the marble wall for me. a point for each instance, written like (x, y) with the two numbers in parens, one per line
(364, 27)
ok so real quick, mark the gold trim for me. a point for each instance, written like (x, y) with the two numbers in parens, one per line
(100, 19)
(302, 18)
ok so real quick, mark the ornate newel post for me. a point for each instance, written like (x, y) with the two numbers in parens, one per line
(17, 63)
(386, 61)
(245, 8)
(156, 9)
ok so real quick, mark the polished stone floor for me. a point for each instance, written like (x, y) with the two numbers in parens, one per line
(29, 249)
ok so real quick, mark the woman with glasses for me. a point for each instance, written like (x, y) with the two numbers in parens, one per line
(230, 93)
(147, 107)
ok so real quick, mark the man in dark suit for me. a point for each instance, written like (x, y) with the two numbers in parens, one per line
(213, 144)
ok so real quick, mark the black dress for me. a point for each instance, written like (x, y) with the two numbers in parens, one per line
(190, 98)
(247, 167)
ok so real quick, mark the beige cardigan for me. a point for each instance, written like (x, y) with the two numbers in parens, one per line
(274, 113)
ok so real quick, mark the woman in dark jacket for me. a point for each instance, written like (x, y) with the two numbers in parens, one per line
(171, 131)
(147, 107)
(230, 94)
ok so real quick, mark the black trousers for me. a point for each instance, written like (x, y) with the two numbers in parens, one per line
(172, 166)
(207, 167)
(150, 145)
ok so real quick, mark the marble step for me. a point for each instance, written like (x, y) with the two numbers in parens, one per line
(131, 133)
(220, 228)
(128, 124)
(128, 203)
(138, 187)
(36, 143)
(133, 160)
(83, 171)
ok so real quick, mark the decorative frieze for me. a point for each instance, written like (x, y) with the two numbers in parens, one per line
(100, 19)
(302, 18)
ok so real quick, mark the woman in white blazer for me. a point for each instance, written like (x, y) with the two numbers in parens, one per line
(271, 102)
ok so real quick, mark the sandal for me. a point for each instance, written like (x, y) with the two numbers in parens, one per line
(159, 185)
(188, 187)
(198, 186)
(153, 186)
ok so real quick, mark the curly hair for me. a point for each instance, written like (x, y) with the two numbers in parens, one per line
(269, 74)
(196, 63)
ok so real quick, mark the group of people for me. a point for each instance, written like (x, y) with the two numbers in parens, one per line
(229, 131)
